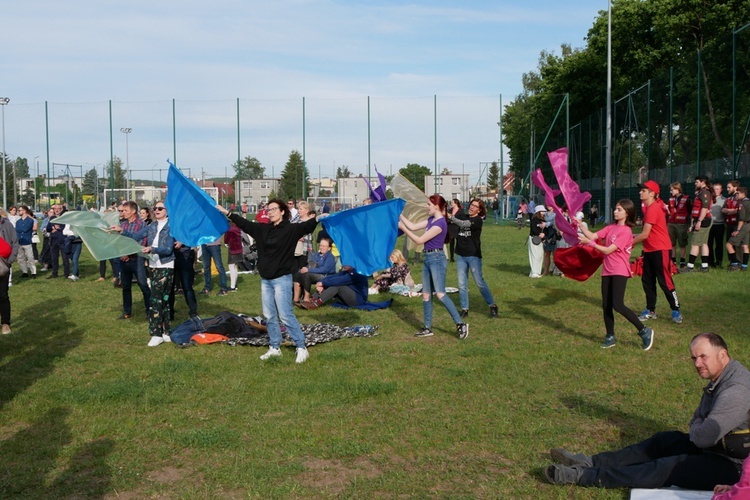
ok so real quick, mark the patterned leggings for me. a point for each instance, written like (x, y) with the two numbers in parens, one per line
(158, 316)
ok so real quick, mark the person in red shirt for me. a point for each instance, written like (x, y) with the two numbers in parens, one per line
(262, 215)
(731, 210)
(656, 253)
(700, 225)
(678, 221)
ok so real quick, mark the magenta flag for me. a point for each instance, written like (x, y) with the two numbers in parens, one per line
(569, 189)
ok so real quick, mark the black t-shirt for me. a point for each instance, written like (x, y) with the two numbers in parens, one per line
(468, 242)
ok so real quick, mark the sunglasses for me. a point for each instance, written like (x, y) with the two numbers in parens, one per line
(159, 208)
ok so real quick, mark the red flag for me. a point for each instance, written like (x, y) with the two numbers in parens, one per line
(579, 262)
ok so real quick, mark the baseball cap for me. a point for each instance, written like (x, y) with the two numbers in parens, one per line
(653, 186)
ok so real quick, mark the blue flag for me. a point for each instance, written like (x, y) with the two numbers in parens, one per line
(193, 218)
(365, 235)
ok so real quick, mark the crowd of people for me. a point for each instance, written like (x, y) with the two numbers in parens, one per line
(292, 273)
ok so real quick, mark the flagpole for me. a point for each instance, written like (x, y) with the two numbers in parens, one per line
(608, 160)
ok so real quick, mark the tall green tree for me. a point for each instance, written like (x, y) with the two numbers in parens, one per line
(120, 179)
(295, 179)
(248, 168)
(493, 176)
(90, 181)
(415, 173)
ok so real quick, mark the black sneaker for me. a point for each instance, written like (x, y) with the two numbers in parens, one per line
(463, 330)
(424, 332)
(493, 311)
(464, 313)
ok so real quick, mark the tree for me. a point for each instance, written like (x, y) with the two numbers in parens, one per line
(343, 172)
(248, 168)
(120, 181)
(415, 174)
(295, 179)
(446, 171)
(90, 181)
(493, 176)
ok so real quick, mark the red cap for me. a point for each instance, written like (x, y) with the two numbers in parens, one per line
(653, 186)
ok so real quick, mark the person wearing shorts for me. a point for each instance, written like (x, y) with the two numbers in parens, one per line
(700, 225)
(741, 236)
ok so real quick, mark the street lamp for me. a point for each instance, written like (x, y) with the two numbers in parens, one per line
(126, 131)
(3, 102)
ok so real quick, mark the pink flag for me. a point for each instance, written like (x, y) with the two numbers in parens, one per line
(569, 189)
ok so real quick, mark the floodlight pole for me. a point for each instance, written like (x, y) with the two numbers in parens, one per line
(3, 102)
(608, 159)
(126, 131)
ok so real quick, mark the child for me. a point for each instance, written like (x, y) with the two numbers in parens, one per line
(399, 273)
(233, 239)
(740, 490)
(618, 242)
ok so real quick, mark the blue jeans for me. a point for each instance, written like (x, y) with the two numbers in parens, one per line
(75, 256)
(497, 215)
(213, 252)
(276, 298)
(134, 266)
(434, 266)
(473, 264)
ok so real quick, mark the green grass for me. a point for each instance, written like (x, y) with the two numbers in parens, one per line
(87, 410)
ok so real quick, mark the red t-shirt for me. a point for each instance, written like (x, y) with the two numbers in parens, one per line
(658, 238)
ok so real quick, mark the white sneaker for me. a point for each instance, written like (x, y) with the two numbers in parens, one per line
(272, 351)
(166, 338)
(155, 341)
(302, 355)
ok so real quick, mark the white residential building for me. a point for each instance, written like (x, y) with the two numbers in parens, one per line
(255, 191)
(448, 186)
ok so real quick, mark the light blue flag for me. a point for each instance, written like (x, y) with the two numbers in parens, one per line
(365, 235)
(193, 218)
(93, 228)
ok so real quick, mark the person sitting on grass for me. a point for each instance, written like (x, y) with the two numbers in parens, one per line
(321, 264)
(399, 273)
(346, 286)
(710, 453)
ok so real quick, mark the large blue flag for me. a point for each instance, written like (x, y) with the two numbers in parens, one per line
(365, 235)
(193, 218)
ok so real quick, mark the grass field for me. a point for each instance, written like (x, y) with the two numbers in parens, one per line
(87, 410)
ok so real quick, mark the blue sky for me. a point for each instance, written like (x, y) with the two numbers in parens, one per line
(77, 56)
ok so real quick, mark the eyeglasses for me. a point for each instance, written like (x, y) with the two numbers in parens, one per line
(473, 205)
(290, 204)
(273, 209)
(159, 208)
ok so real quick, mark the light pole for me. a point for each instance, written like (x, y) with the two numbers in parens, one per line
(126, 131)
(3, 102)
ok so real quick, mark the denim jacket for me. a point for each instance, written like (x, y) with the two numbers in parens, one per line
(164, 248)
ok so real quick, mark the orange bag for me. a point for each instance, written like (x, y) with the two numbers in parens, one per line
(208, 338)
